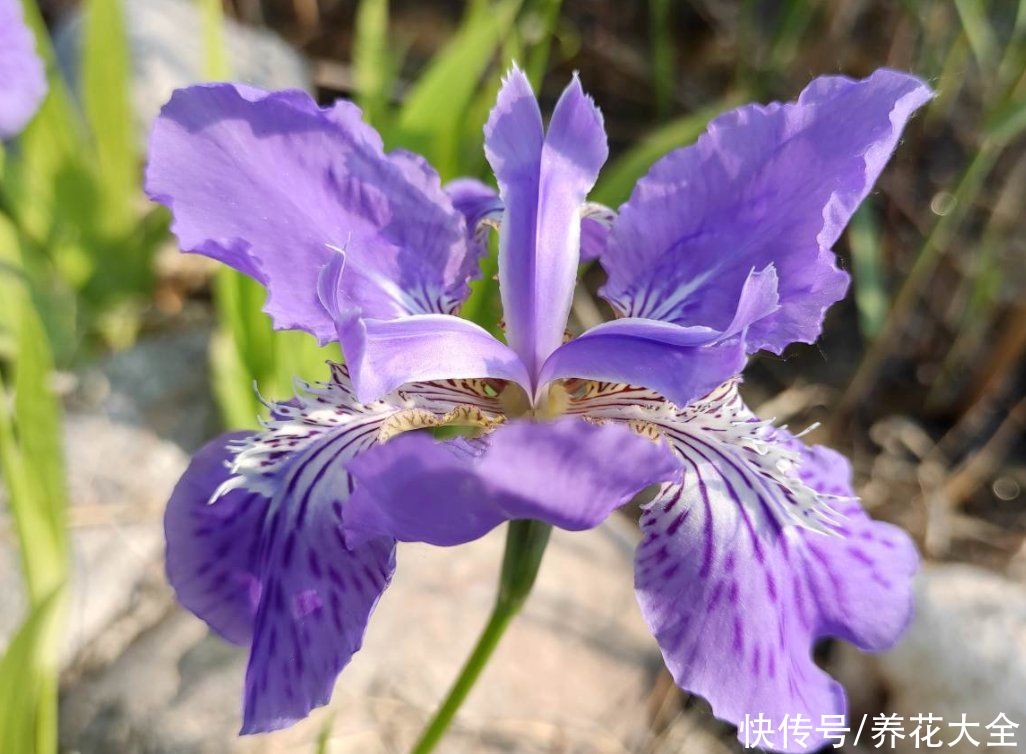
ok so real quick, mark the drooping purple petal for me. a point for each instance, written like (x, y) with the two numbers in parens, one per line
(22, 78)
(273, 185)
(681, 363)
(213, 560)
(543, 180)
(737, 597)
(385, 354)
(765, 185)
(569, 473)
(257, 550)
(317, 594)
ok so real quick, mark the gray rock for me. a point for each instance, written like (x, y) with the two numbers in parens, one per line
(964, 653)
(166, 42)
(572, 674)
(118, 479)
(161, 385)
(120, 474)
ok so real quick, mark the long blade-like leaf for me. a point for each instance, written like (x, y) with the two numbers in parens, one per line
(431, 117)
(106, 78)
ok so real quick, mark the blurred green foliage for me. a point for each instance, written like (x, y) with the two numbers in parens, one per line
(77, 238)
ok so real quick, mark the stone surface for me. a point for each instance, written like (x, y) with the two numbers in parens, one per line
(160, 385)
(166, 43)
(118, 478)
(572, 674)
(964, 653)
(124, 428)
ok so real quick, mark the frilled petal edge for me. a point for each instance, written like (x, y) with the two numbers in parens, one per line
(737, 599)
(273, 185)
(764, 185)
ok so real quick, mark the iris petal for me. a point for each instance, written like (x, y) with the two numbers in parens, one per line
(569, 473)
(385, 354)
(22, 78)
(543, 180)
(681, 363)
(274, 572)
(271, 184)
(765, 185)
(736, 596)
(255, 543)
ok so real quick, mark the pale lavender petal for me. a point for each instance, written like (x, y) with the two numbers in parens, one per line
(737, 599)
(382, 355)
(543, 180)
(680, 363)
(258, 550)
(569, 473)
(22, 78)
(765, 185)
(272, 185)
(385, 354)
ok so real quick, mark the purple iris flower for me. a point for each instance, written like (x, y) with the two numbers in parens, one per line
(22, 78)
(754, 546)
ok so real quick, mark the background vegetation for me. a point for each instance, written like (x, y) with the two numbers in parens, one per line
(920, 371)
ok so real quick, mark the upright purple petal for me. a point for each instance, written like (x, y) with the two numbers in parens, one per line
(543, 180)
(737, 596)
(273, 185)
(482, 209)
(22, 78)
(765, 185)
(569, 473)
(680, 363)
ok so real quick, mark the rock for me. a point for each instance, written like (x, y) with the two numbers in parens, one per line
(161, 385)
(118, 480)
(572, 673)
(964, 653)
(166, 42)
(120, 474)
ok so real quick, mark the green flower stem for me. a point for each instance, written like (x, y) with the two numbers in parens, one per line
(525, 545)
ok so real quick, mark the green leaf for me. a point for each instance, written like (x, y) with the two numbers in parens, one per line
(659, 24)
(215, 53)
(374, 64)
(106, 83)
(28, 680)
(31, 450)
(299, 356)
(617, 181)
(1007, 121)
(431, 118)
(867, 267)
(52, 145)
(540, 21)
(483, 305)
(973, 15)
